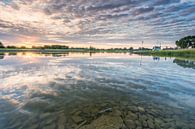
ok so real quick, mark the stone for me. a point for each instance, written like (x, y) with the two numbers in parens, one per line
(133, 108)
(77, 119)
(105, 122)
(144, 123)
(105, 111)
(130, 124)
(117, 113)
(141, 109)
(52, 126)
(132, 116)
(138, 123)
(150, 124)
(61, 122)
(44, 115)
(34, 126)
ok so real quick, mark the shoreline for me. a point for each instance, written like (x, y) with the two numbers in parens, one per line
(187, 53)
(63, 50)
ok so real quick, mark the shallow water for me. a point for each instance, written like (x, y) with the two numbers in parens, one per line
(96, 90)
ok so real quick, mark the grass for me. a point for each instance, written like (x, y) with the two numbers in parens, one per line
(187, 53)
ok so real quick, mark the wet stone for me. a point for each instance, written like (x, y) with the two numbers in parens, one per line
(133, 108)
(77, 119)
(105, 122)
(139, 128)
(144, 123)
(34, 126)
(150, 124)
(52, 126)
(132, 116)
(61, 122)
(130, 124)
(44, 115)
(141, 109)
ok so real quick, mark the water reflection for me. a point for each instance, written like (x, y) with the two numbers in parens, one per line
(156, 58)
(94, 90)
(1, 55)
(185, 63)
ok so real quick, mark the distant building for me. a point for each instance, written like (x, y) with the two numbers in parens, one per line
(156, 48)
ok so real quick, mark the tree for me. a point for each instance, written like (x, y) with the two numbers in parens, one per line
(186, 42)
(12, 47)
(131, 49)
(1, 45)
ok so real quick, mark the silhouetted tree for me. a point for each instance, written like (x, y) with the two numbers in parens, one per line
(1, 45)
(131, 48)
(186, 42)
(13, 47)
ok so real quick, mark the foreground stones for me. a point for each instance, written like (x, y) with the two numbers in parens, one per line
(106, 114)
(105, 122)
(103, 117)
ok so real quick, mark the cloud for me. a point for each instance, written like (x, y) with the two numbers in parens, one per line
(96, 21)
(142, 10)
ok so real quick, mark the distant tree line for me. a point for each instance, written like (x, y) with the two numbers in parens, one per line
(66, 47)
(50, 47)
(186, 42)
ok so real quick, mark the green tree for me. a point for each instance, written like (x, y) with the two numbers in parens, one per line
(1, 45)
(131, 49)
(186, 42)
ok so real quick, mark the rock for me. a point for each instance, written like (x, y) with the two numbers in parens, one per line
(130, 124)
(133, 108)
(105, 122)
(52, 126)
(33, 126)
(138, 123)
(144, 123)
(105, 110)
(150, 124)
(77, 119)
(141, 109)
(157, 126)
(132, 116)
(80, 125)
(61, 121)
(117, 113)
(44, 115)
(77, 113)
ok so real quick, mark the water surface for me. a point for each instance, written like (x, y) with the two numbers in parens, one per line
(96, 90)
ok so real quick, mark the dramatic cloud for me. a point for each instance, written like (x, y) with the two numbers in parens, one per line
(96, 21)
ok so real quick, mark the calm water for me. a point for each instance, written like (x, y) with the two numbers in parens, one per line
(96, 91)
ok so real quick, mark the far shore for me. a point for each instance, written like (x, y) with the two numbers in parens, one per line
(186, 53)
(62, 50)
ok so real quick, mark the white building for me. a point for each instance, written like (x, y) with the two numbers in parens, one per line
(156, 48)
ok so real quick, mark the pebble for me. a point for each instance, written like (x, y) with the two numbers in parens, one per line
(77, 119)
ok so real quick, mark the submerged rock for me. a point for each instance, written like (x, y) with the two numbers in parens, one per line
(52, 126)
(130, 124)
(77, 119)
(61, 121)
(105, 122)
(141, 109)
(132, 116)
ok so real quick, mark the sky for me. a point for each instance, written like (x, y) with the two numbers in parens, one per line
(99, 23)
